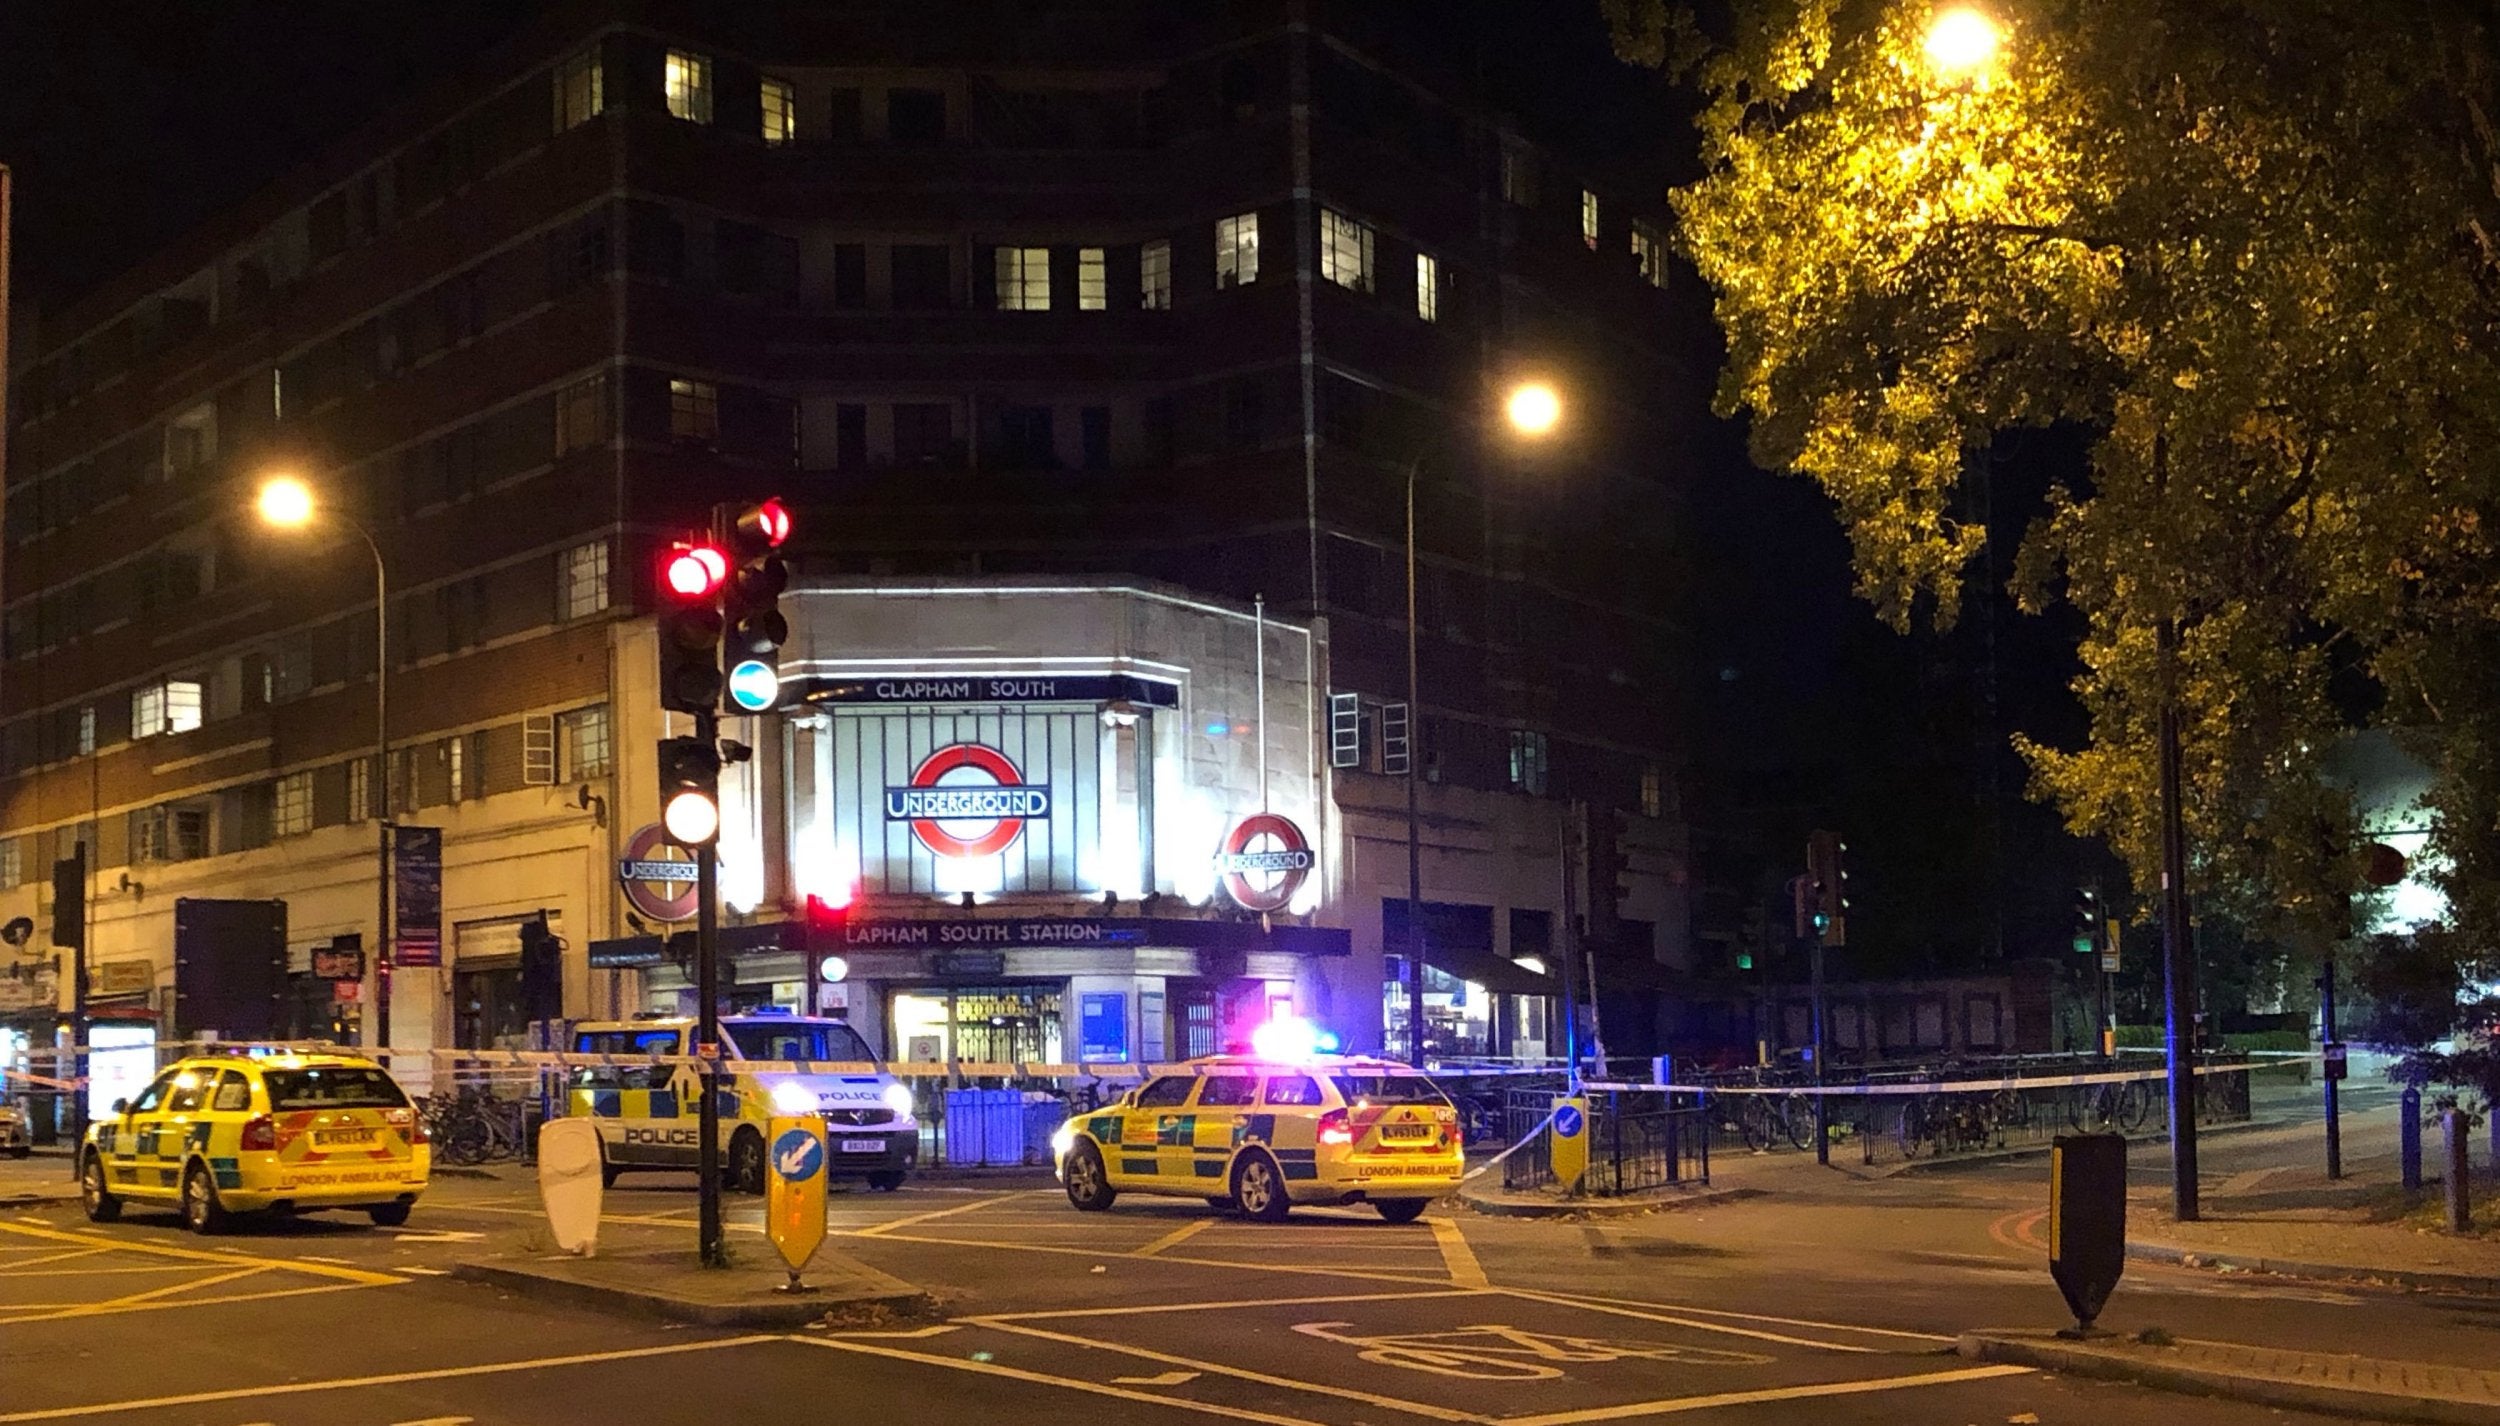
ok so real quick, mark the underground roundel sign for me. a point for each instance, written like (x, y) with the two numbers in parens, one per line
(1264, 862)
(657, 875)
(967, 800)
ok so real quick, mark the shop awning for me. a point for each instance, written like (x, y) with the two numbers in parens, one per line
(1499, 974)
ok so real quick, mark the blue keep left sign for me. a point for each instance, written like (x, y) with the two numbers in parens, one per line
(798, 1155)
(1568, 1121)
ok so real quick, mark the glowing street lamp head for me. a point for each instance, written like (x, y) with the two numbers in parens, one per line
(1533, 408)
(1960, 40)
(285, 502)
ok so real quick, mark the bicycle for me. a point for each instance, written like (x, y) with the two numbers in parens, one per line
(1765, 1119)
(1945, 1122)
(471, 1126)
(2109, 1108)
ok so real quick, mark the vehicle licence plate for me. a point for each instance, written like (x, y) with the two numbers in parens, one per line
(334, 1138)
(863, 1146)
(1406, 1131)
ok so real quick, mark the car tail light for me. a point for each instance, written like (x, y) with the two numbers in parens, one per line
(261, 1134)
(410, 1127)
(1334, 1129)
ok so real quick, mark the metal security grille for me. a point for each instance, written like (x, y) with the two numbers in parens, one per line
(1057, 748)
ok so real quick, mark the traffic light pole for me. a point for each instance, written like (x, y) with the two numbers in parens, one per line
(714, 1249)
(2326, 1026)
(2178, 946)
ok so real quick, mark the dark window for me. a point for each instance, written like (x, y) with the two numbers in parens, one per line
(801, 1041)
(1245, 413)
(915, 116)
(234, 1093)
(1094, 424)
(1295, 1089)
(850, 436)
(154, 1094)
(846, 108)
(924, 433)
(1024, 439)
(333, 1087)
(1167, 1092)
(1228, 1090)
(850, 275)
(1389, 1089)
(921, 279)
(189, 1090)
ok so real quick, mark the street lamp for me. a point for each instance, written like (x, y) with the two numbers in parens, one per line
(286, 503)
(1533, 410)
(1960, 41)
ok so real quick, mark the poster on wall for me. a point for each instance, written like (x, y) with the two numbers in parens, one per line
(417, 895)
(1104, 1026)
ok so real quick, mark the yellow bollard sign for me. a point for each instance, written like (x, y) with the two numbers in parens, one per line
(794, 1187)
(1568, 1133)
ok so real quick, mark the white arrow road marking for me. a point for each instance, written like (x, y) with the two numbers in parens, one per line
(1167, 1379)
(437, 1421)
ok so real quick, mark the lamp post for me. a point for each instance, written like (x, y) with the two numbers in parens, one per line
(286, 503)
(1533, 409)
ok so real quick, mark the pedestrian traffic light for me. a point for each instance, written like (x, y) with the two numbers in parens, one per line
(691, 576)
(751, 606)
(1828, 871)
(689, 791)
(2087, 927)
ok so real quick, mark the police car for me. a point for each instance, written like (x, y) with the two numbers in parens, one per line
(289, 1132)
(647, 1114)
(1260, 1135)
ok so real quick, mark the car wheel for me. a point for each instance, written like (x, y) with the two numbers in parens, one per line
(101, 1205)
(1259, 1187)
(389, 1215)
(607, 1170)
(746, 1162)
(1221, 1203)
(1087, 1181)
(886, 1181)
(1401, 1210)
(201, 1212)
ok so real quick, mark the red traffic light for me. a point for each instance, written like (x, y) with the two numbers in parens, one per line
(769, 522)
(695, 571)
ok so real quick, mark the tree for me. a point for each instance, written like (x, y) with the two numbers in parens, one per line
(2250, 249)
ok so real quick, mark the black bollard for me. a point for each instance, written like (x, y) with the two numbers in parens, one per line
(2409, 1137)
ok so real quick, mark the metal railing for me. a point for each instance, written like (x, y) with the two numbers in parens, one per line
(1637, 1141)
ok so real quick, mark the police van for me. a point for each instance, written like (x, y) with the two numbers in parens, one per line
(647, 1114)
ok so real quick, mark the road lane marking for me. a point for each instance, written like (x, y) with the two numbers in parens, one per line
(1652, 1315)
(1101, 1254)
(1175, 1238)
(212, 1280)
(197, 1255)
(915, 1334)
(914, 1220)
(20, 1265)
(1052, 1315)
(1584, 1299)
(1456, 1255)
(1169, 1359)
(1175, 1403)
(1676, 1404)
(1159, 1379)
(299, 1388)
(161, 1304)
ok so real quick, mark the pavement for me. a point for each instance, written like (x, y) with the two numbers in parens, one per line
(2339, 1382)
(1818, 1295)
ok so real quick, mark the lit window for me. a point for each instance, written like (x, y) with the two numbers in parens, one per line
(455, 766)
(86, 730)
(1653, 791)
(359, 790)
(172, 706)
(277, 393)
(585, 590)
(693, 410)
(1345, 251)
(1588, 218)
(1093, 285)
(578, 96)
(781, 111)
(12, 864)
(191, 439)
(1154, 276)
(1528, 761)
(689, 80)
(291, 805)
(1649, 253)
(1237, 250)
(584, 736)
(1427, 287)
(1024, 279)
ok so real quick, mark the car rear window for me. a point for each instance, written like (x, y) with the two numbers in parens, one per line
(1389, 1089)
(333, 1087)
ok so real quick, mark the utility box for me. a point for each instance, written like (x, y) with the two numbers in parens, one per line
(2087, 1221)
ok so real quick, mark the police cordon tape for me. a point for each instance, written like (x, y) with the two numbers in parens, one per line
(2277, 1060)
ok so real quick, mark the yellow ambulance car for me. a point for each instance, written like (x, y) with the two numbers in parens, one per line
(1261, 1135)
(217, 1135)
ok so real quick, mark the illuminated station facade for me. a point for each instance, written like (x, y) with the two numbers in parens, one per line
(1092, 359)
